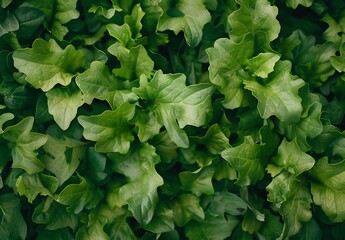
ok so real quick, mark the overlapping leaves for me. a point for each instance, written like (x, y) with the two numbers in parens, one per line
(171, 119)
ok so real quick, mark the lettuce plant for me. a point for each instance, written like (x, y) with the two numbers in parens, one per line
(172, 119)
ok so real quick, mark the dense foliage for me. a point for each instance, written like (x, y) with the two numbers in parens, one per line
(172, 119)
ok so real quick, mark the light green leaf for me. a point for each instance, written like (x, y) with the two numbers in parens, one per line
(46, 64)
(198, 182)
(279, 95)
(140, 192)
(123, 34)
(170, 99)
(134, 63)
(95, 231)
(226, 59)
(293, 200)
(64, 11)
(103, 8)
(97, 82)
(62, 157)
(5, 3)
(79, 196)
(38, 184)
(255, 17)
(4, 118)
(262, 64)
(249, 159)
(290, 158)
(328, 188)
(13, 225)
(309, 126)
(26, 143)
(183, 18)
(147, 123)
(134, 21)
(212, 228)
(294, 3)
(63, 104)
(338, 62)
(186, 207)
(110, 129)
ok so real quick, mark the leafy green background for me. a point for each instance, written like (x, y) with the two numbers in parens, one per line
(172, 119)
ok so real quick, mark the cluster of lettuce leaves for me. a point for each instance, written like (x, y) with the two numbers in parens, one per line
(172, 119)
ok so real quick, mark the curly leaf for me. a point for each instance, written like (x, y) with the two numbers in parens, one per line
(46, 64)
(279, 94)
(183, 17)
(170, 99)
(111, 129)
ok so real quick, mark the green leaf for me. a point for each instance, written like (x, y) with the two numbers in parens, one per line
(226, 202)
(262, 64)
(134, 21)
(8, 22)
(110, 129)
(279, 95)
(226, 59)
(312, 61)
(3, 119)
(186, 207)
(94, 231)
(198, 182)
(140, 192)
(291, 159)
(294, 3)
(134, 63)
(249, 159)
(309, 126)
(97, 82)
(123, 34)
(338, 62)
(64, 11)
(162, 221)
(103, 8)
(5, 3)
(79, 196)
(26, 143)
(38, 184)
(63, 104)
(328, 188)
(170, 99)
(62, 157)
(30, 19)
(214, 140)
(120, 230)
(212, 228)
(46, 64)
(95, 164)
(61, 234)
(55, 217)
(183, 18)
(293, 200)
(13, 225)
(257, 18)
